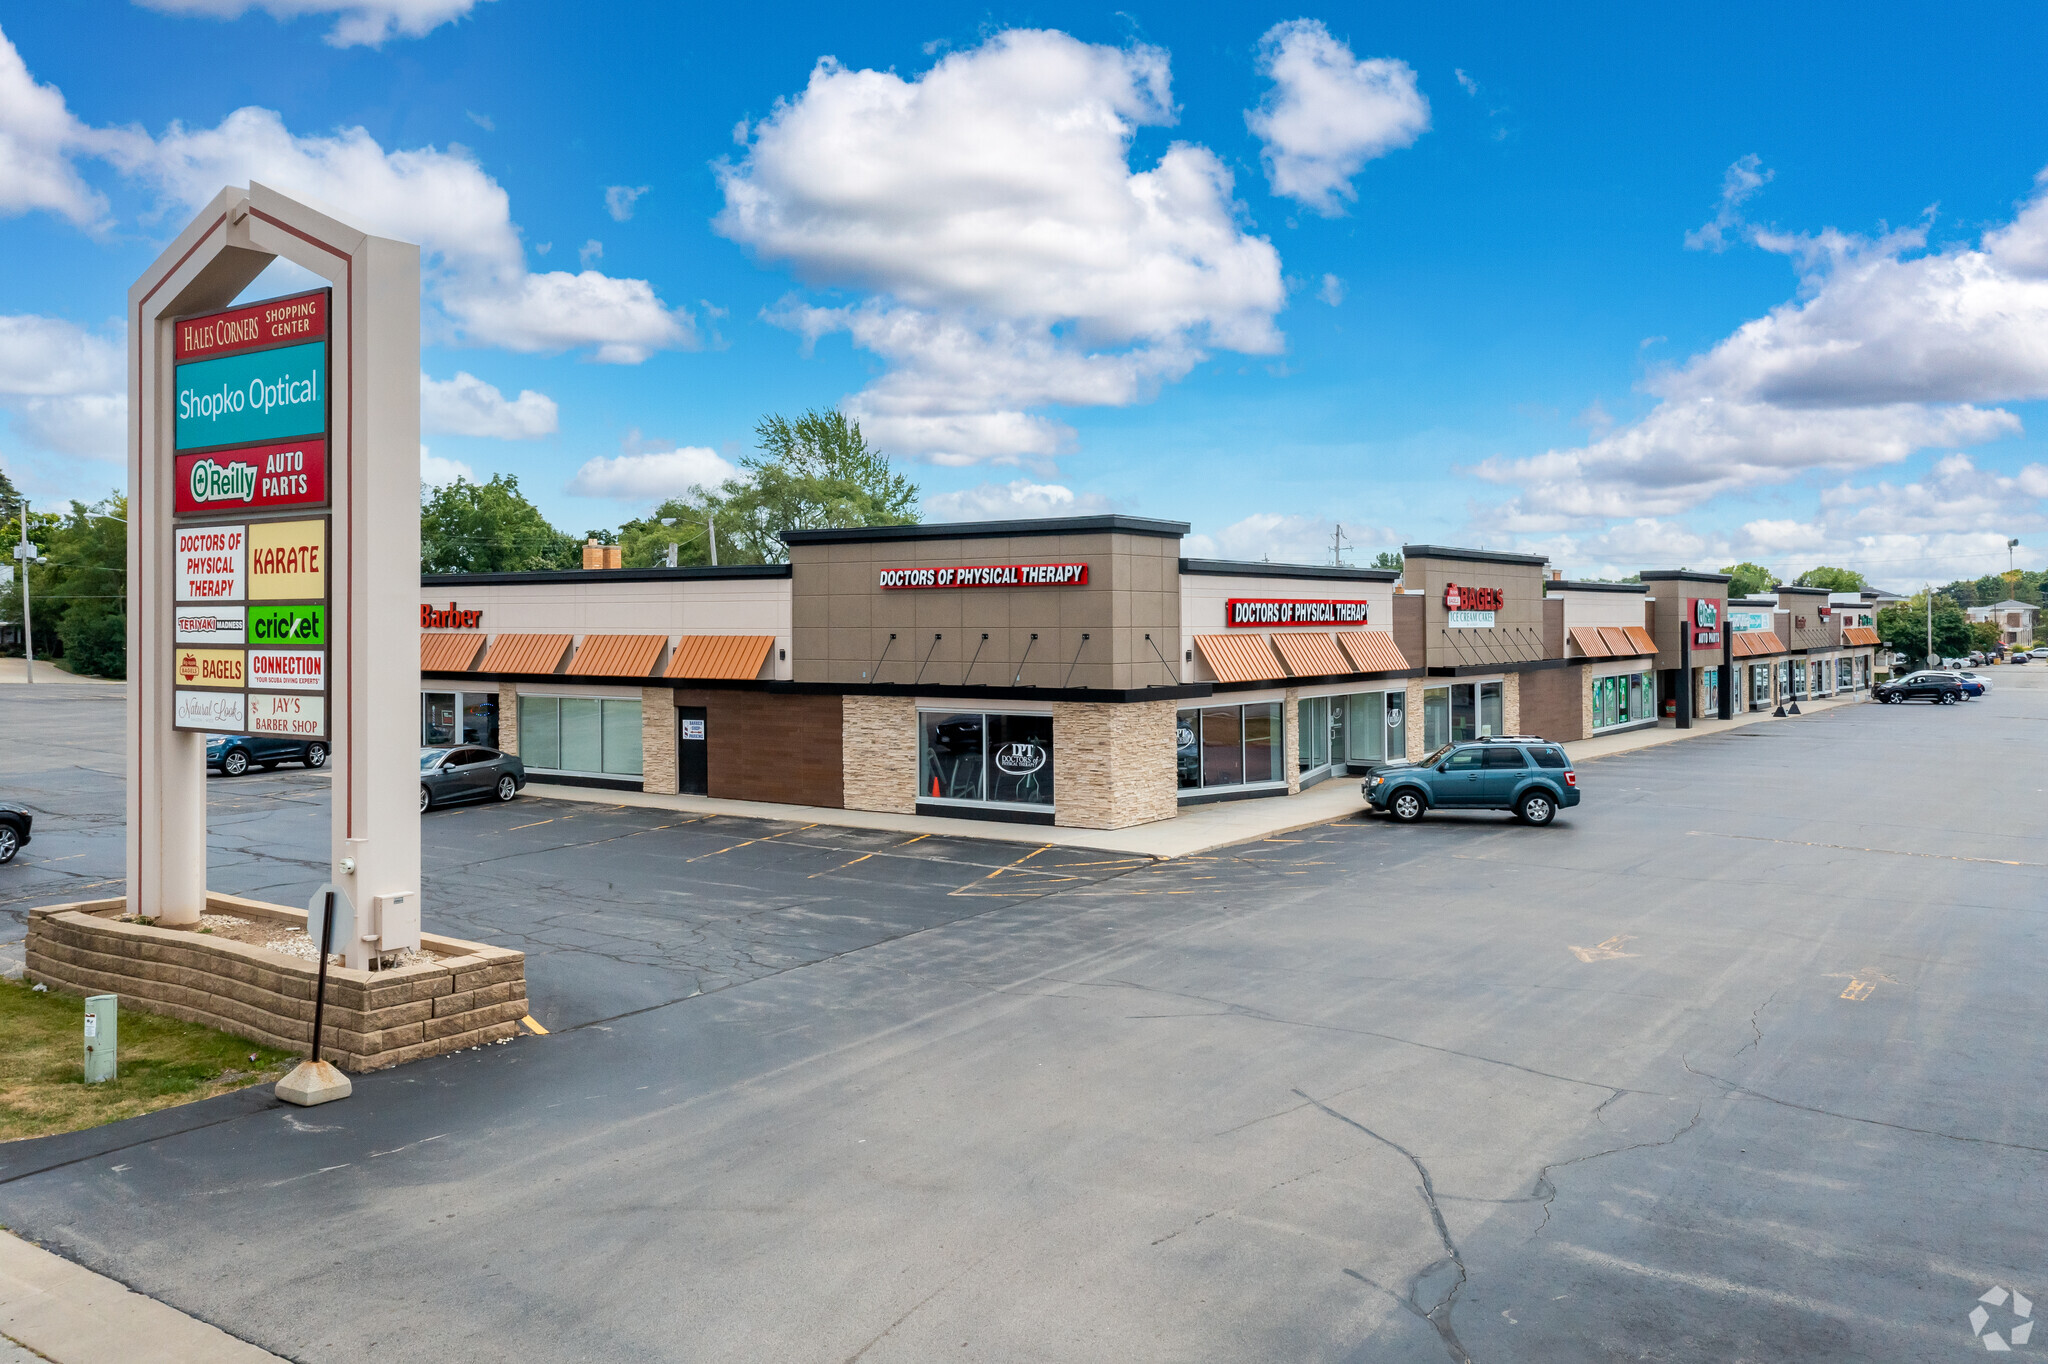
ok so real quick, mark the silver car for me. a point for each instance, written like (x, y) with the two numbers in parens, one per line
(449, 776)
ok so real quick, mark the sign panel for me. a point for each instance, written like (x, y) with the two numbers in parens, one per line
(288, 669)
(211, 561)
(1704, 614)
(1255, 611)
(303, 627)
(987, 575)
(290, 475)
(265, 395)
(1470, 620)
(301, 717)
(211, 625)
(454, 618)
(1473, 599)
(218, 711)
(208, 668)
(1744, 621)
(287, 560)
(273, 322)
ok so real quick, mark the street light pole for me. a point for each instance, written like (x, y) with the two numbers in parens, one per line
(1932, 661)
(25, 554)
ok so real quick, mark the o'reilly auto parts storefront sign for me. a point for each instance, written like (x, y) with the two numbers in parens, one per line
(252, 416)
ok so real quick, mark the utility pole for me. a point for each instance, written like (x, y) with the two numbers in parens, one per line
(1337, 545)
(711, 523)
(25, 554)
(1932, 661)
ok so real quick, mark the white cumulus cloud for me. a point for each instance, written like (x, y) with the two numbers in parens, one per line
(467, 406)
(651, 475)
(1011, 256)
(1329, 113)
(356, 22)
(1888, 349)
(64, 387)
(619, 200)
(438, 470)
(1018, 499)
(39, 136)
(1285, 539)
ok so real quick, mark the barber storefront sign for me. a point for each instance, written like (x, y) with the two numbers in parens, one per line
(1704, 617)
(1256, 611)
(987, 575)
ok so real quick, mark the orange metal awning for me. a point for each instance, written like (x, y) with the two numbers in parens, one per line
(1373, 651)
(1618, 642)
(1240, 658)
(618, 656)
(720, 658)
(1859, 635)
(1757, 643)
(526, 653)
(1309, 653)
(449, 653)
(1645, 642)
(1590, 642)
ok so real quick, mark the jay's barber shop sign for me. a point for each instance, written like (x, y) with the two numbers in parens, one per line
(987, 575)
(1257, 611)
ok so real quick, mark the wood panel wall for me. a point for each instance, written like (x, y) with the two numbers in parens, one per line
(784, 749)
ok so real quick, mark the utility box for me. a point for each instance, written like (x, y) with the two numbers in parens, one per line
(397, 921)
(102, 1037)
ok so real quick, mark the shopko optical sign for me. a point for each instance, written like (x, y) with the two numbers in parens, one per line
(987, 575)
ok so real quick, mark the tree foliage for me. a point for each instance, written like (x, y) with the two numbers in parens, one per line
(1389, 558)
(78, 591)
(2025, 585)
(1833, 579)
(1747, 579)
(1903, 628)
(489, 527)
(813, 473)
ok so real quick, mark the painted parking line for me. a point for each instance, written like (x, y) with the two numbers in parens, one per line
(841, 867)
(1845, 847)
(535, 825)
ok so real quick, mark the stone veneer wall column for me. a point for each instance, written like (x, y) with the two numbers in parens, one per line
(878, 753)
(1511, 704)
(1290, 739)
(1112, 763)
(1415, 748)
(1586, 705)
(508, 718)
(658, 741)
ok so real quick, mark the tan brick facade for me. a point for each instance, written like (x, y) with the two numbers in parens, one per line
(468, 994)
(1511, 704)
(508, 718)
(1113, 764)
(1415, 748)
(658, 740)
(878, 753)
(1290, 739)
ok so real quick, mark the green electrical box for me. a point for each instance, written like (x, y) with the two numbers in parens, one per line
(102, 1037)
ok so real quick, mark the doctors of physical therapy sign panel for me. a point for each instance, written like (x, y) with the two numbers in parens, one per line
(252, 420)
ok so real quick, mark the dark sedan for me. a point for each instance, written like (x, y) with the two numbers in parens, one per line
(233, 754)
(14, 827)
(449, 776)
(1939, 688)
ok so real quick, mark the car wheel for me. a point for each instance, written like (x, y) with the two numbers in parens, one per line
(426, 798)
(316, 755)
(507, 788)
(235, 763)
(1536, 808)
(1406, 806)
(10, 843)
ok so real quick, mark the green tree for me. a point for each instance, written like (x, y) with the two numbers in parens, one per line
(78, 589)
(815, 472)
(1747, 579)
(10, 501)
(1903, 628)
(1833, 579)
(1389, 558)
(1985, 635)
(489, 527)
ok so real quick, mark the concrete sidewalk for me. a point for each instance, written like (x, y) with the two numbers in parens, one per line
(16, 670)
(67, 1313)
(1197, 829)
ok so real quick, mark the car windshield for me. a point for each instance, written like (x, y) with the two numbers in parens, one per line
(430, 756)
(1437, 756)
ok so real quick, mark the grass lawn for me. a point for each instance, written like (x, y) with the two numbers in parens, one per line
(162, 1062)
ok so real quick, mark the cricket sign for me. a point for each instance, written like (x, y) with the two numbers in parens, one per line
(273, 549)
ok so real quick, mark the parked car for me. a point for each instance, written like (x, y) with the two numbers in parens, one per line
(1517, 772)
(1973, 684)
(234, 754)
(1940, 688)
(449, 776)
(14, 826)
(2021, 658)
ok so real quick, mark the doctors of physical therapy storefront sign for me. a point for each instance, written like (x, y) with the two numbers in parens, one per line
(252, 584)
(1257, 611)
(987, 575)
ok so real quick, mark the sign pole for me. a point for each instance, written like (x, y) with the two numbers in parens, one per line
(25, 554)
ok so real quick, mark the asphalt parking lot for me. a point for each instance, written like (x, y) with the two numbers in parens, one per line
(1738, 1061)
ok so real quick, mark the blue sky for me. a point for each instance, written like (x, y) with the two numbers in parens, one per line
(1611, 286)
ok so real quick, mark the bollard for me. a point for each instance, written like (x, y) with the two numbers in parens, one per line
(102, 1037)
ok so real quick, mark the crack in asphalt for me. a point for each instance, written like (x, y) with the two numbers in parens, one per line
(1744, 1091)
(1544, 1189)
(1438, 1315)
(1753, 1025)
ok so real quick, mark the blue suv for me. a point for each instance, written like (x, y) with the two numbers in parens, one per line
(1517, 772)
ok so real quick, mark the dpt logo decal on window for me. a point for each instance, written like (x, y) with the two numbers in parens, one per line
(1020, 759)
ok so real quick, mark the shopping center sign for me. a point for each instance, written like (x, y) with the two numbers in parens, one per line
(273, 555)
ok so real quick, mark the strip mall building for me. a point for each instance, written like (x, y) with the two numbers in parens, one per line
(1081, 672)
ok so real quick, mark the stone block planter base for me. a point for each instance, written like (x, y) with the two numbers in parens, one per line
(468, 993)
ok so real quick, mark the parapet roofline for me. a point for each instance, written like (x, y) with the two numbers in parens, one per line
(696, 573)
(990, 530)
(1228, 568)
(1684, 575)
(1476, 556)
(1562, 586)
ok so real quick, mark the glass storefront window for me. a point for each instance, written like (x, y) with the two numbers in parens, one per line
(1624, 700)
(437, 719)
(1373, 727)
(1760, 685)
(1436, 718)
(1492, 709)
(1711, 680)
(1797, 673)
(1312, 715)
(985, 759)
(1230, 746)
(478, 712)
(596, 736)
(1464, 712)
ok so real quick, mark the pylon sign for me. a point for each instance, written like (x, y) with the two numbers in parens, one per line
(253, 397)
(273, 549)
